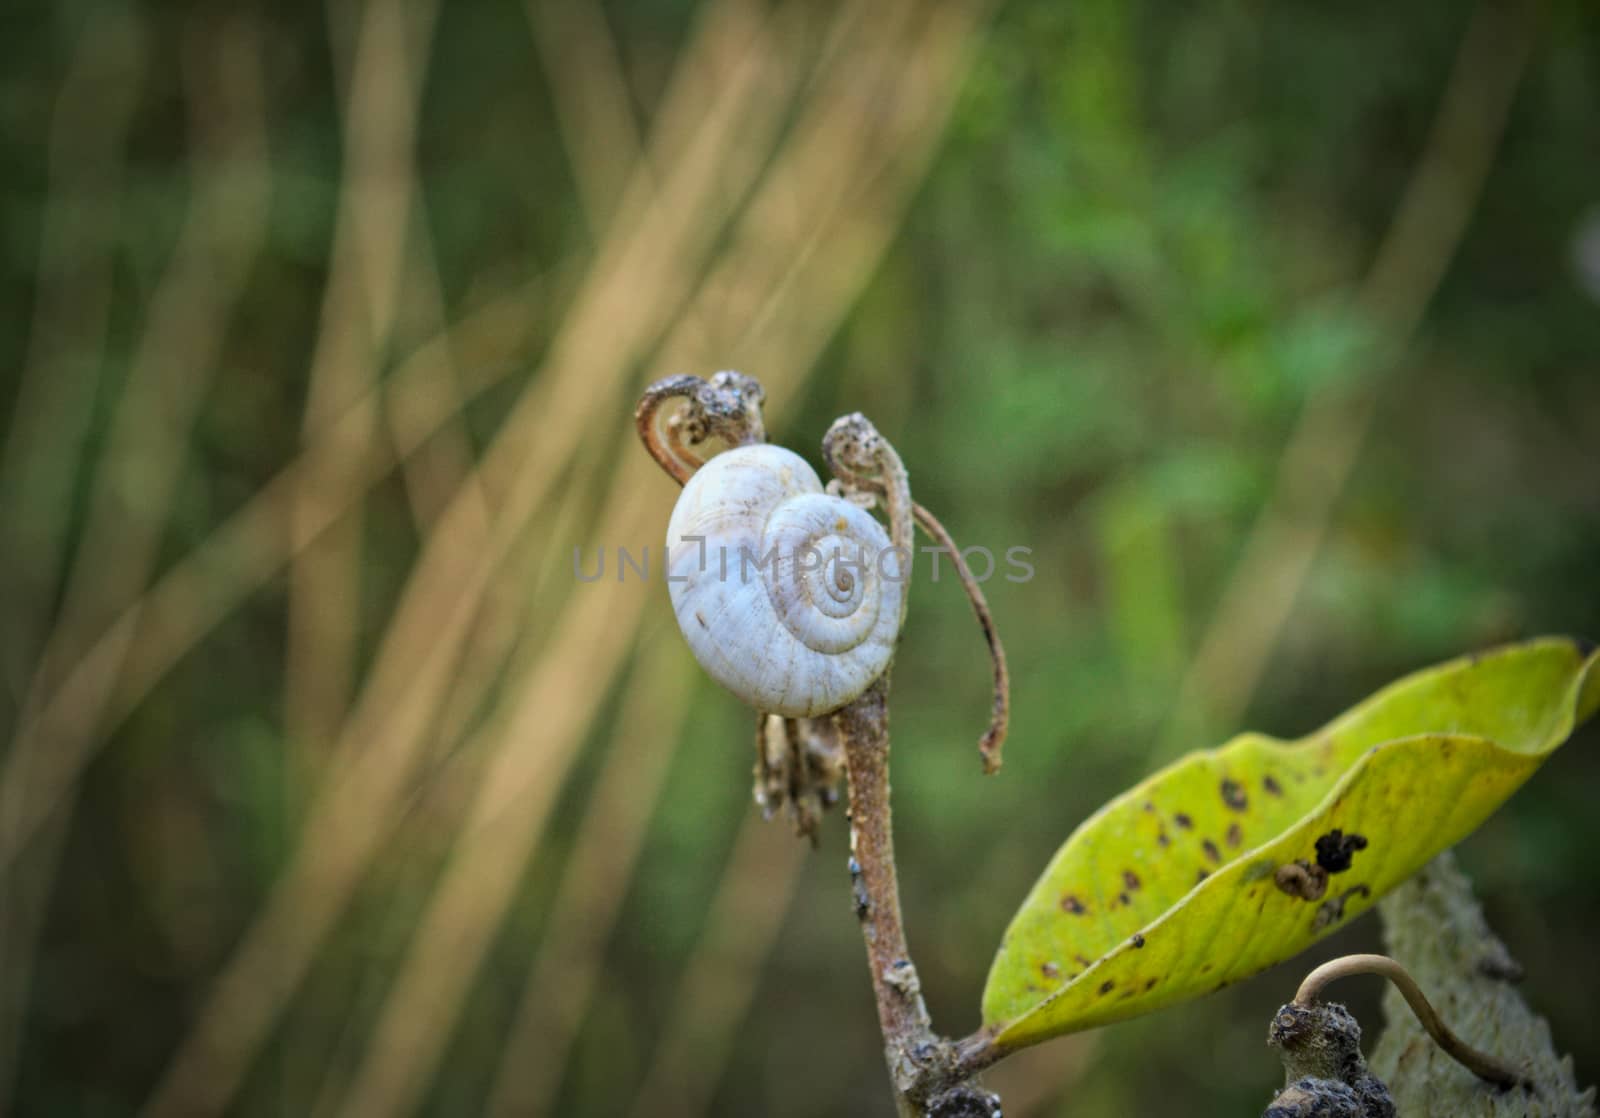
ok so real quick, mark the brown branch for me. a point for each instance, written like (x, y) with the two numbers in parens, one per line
(927, 1071)
(907, 1029)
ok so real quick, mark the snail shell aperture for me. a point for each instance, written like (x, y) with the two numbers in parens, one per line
(790, 598)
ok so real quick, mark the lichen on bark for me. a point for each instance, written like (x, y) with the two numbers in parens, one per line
(1435, 926)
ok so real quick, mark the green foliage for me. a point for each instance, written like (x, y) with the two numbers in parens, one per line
(1232, 860)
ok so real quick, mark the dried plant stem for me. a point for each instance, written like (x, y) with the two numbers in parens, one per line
(1000, 719)
(930, 1075)
(902, 1015)
(1481, 1064)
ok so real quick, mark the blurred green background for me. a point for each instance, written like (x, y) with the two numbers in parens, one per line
(1271, 329)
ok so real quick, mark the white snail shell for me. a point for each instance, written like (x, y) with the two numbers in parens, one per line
(811, 629)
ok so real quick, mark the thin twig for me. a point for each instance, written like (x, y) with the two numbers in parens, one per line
(1000, 719)
(1481, 1064)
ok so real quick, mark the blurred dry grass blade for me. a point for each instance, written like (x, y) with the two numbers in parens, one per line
(722, 975)
(838, 256)
(709, 1005)
(453, 769)
(497, 843)
(136, 479)
(43, 449)
(1322, 450)
(567, 962)
(633, 288)
(592, 101)
(67, 334)
(631, 291)
(357, 318)
(154, 633)
(479, 885)
(593, 104)
(369, 266)
(443, 462)
(250, 547)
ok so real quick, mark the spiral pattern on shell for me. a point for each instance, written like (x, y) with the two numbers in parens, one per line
(790, 598)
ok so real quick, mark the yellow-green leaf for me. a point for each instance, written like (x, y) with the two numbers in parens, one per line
(1210, 870)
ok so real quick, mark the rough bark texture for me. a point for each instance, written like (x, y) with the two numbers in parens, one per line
(929, 1076)
(1435, 927)
(907, 1031)
(1324, 1072)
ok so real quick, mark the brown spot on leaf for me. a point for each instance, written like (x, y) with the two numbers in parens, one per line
(1130, 879)
(1107, 986)
(1122, 899)
(1204, 873)
(1329, 911)
(1234, 796)
(1151, 985)
(1332, 909)
(1302, 879)
(1050, 970)
(1138, 940)
(1081, 961)
(1271, 786)
(1162, 840)
(1070, 903)
(1183, 821)
(1211, 850)
(1335, 850)
(1235, 835)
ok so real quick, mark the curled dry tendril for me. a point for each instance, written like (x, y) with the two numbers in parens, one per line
(865, 463)
(728, 406)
